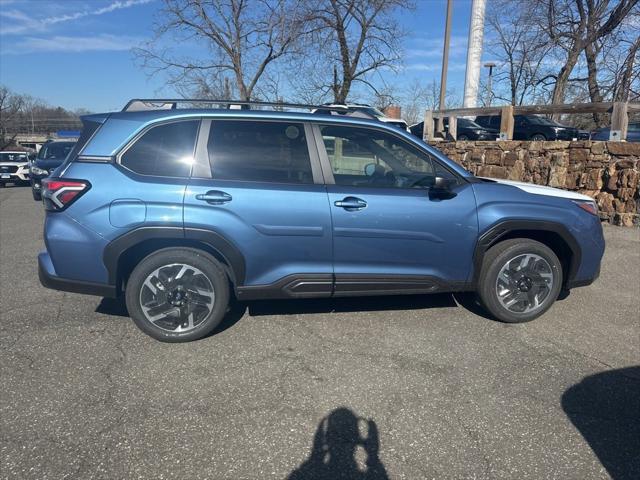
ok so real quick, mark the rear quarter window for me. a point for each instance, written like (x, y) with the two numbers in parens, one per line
(165, 150)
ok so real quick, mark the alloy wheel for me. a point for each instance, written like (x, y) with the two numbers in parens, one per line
(177, 297)
(524, 283)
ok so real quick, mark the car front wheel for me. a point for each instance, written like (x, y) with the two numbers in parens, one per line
(37, 196)
(177, 294)
(538, 137)
(520, 279)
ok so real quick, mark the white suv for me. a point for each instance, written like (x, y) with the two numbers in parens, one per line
(14, 167)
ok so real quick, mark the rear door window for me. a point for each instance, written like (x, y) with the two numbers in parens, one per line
(165, 150)
(259, 151)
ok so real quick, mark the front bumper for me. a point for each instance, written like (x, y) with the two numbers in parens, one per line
(19, 176)
(36, 181)
(584, 282)
(49, 279)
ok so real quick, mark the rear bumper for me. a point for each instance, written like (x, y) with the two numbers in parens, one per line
(49, 279)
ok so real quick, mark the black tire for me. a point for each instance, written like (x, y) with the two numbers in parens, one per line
(538, 137)
(202, 261)
(496, 258)
(462, 138)
(37, 196)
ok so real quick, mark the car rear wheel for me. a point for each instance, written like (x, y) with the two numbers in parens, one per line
(520, 279)
(462, 138)
(177, 294)
(36, 195)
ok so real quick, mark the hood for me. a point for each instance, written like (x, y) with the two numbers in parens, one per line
(543, 190)
(47, 163)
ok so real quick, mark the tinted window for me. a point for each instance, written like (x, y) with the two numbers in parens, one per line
(165, 150)
(259, 152)
(488, 121)
(536, 120)
(466, 123)
(55, 150)
(372, 158)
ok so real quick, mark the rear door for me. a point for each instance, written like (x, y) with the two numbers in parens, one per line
(260, 190)
(392, 230)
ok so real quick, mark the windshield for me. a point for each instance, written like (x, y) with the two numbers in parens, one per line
(466, 123)
(13, 157)
(55, 150)
(535, 120)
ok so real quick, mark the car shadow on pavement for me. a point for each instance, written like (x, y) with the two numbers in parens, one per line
(605, 408)
(118, 307)
(345, 446)
(349, 304)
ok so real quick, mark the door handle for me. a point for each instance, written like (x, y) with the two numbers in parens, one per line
(351, 203)
(214, 197)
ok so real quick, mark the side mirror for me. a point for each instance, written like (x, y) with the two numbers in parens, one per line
(443, 184)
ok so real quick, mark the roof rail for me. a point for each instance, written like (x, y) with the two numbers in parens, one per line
(144, 104)
(140, 104)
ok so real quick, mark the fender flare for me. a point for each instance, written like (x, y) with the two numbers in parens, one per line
(215, 241)
(501, 228)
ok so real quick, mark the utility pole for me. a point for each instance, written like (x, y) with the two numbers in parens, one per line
(445, 64)
(474, 53)
(490, 66)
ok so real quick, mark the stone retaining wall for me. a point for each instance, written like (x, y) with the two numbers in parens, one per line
(605, 171)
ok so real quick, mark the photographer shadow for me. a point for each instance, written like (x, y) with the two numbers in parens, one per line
(605, 408)
(341, 451)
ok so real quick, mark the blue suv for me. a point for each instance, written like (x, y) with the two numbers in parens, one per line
(181, 210)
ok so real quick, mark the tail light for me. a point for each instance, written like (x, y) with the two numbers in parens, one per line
(58, 194)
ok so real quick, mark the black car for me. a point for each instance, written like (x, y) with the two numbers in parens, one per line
(532, 127)
(467, 130)
(633, 133)
(50, 157)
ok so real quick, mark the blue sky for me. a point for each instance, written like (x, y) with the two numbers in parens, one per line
(77, 53)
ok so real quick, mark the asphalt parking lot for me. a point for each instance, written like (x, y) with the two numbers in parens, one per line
(400, 387)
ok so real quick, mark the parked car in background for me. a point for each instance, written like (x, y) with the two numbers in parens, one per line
(50, 157)
(370, 111)
(178, 210)
(584, 134)
(467, 130)
(532, 127)
(633, 133)
(14, 167)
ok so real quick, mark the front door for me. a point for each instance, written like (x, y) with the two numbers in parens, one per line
(394, 230)
(265, 197)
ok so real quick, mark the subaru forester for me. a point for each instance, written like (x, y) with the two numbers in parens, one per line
(181, 210)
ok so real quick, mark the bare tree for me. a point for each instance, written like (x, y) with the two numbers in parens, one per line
(418, 97)
(520, 49)
(572, 26)
(242, 38)
(10, 107)
(629, 75)
(356, 38)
